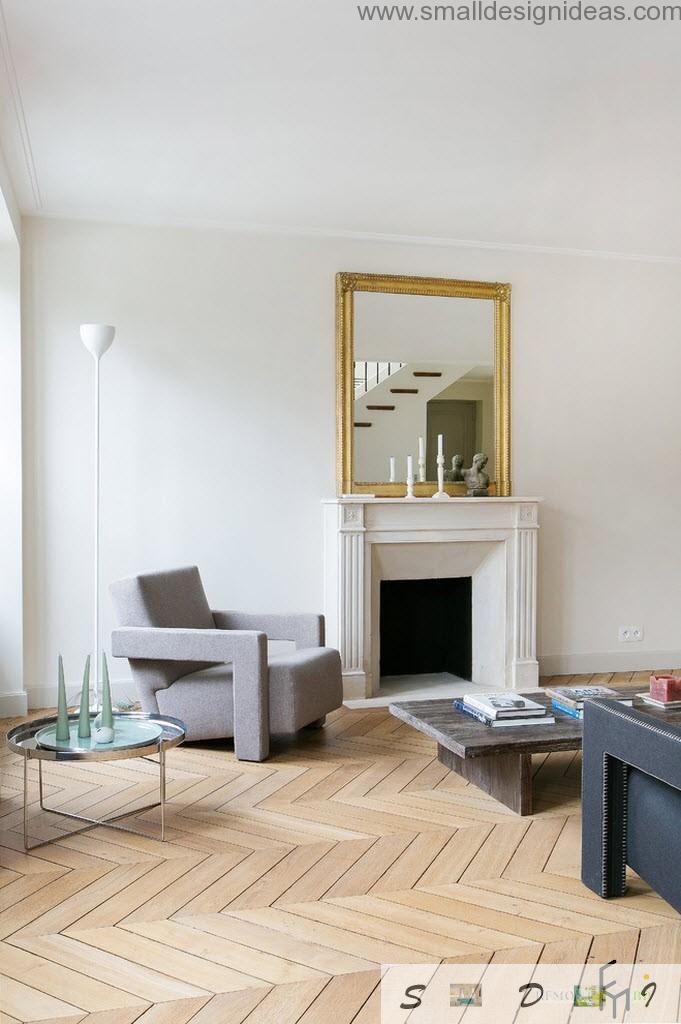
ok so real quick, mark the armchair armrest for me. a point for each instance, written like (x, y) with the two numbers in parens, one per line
(306, 630)
(165, 644)
(247, 649)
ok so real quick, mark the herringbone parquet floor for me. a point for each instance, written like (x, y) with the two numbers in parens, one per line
(286, 884)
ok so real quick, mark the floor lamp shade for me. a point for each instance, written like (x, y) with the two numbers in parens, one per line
(97, 339)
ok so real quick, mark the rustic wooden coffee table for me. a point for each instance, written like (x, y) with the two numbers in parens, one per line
(497, 760)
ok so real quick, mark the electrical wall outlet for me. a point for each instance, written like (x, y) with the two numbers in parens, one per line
(630, 634)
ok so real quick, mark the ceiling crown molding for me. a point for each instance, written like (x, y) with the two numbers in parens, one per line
(381, 238)
(14, 93)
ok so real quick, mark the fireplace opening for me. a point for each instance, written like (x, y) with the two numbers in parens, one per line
(426, 627)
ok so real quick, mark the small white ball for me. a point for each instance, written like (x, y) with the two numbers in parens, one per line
(104, 734)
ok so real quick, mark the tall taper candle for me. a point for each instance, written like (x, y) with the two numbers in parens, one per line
(422, 461)
(392, 469)
(62, 734)
(84, 716)
(440, 444)
(106, 718)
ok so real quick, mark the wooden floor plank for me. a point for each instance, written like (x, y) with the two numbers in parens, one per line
(273, 970)
(29, 1004)
(157, 956)
(180, 1011)
(120, 971)
(287, 1003)
(324, 959)
(376, 951)
(341, 999)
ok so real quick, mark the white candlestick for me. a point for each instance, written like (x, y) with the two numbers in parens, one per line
(392, 469)
(410, 477)
(440, 444)
(422, 448)
(441, 492)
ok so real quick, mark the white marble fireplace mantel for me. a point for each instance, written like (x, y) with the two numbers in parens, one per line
(492, 540)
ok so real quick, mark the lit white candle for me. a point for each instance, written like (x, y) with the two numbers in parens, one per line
(392, 469)
(422, 449)
(440, 444)
(410, 468)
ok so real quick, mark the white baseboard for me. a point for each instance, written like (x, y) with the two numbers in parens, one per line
(607, 661)
(13, 705)
(46, 696)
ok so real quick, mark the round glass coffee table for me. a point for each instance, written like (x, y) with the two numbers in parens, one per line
(135, 735)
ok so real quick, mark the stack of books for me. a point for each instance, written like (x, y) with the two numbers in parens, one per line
(503, 709)
(570, 699)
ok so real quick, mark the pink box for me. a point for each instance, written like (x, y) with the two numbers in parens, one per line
(665, 687)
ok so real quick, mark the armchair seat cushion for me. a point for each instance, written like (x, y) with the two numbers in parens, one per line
(304, 685)
(203, 701)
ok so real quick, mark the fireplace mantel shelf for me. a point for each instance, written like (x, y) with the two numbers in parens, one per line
(371, 499)
(492, 540)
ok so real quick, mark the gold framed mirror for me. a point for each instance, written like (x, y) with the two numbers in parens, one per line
(418, 357)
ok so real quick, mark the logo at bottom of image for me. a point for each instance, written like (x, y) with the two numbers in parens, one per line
(465, 995)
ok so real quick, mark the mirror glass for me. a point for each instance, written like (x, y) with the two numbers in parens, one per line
(423, 366)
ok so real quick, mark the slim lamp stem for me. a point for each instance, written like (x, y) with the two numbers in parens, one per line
(97, 339)
(96, 609)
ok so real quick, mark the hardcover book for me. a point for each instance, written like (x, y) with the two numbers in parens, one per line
(574, 696)
(504, 705)
(497, 723)
(567, 710)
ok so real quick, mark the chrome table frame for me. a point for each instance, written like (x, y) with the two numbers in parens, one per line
(21, 740)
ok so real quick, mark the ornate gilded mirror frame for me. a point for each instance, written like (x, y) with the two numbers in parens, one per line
(346, 286)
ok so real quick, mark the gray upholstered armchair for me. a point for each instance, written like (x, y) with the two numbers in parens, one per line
(178, 649)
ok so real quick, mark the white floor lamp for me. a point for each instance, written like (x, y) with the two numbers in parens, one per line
(98, 339)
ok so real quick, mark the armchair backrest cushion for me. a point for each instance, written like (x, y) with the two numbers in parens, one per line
(174, 598)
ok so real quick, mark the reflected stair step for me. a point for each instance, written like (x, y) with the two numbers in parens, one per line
(383, 408)
(404, 391)
(362, 424)
(427, 373)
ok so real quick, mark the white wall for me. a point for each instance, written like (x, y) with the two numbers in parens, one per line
(423, 328)
(218, 449)
(12, 696)
(10, 214)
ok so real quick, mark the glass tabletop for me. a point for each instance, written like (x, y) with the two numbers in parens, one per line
(135, 735)
(126, 733)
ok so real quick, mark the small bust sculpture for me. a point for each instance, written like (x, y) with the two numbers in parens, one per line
(456, 472)
(477, 480)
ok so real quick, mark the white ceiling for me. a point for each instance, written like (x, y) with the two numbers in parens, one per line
(294, 114)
